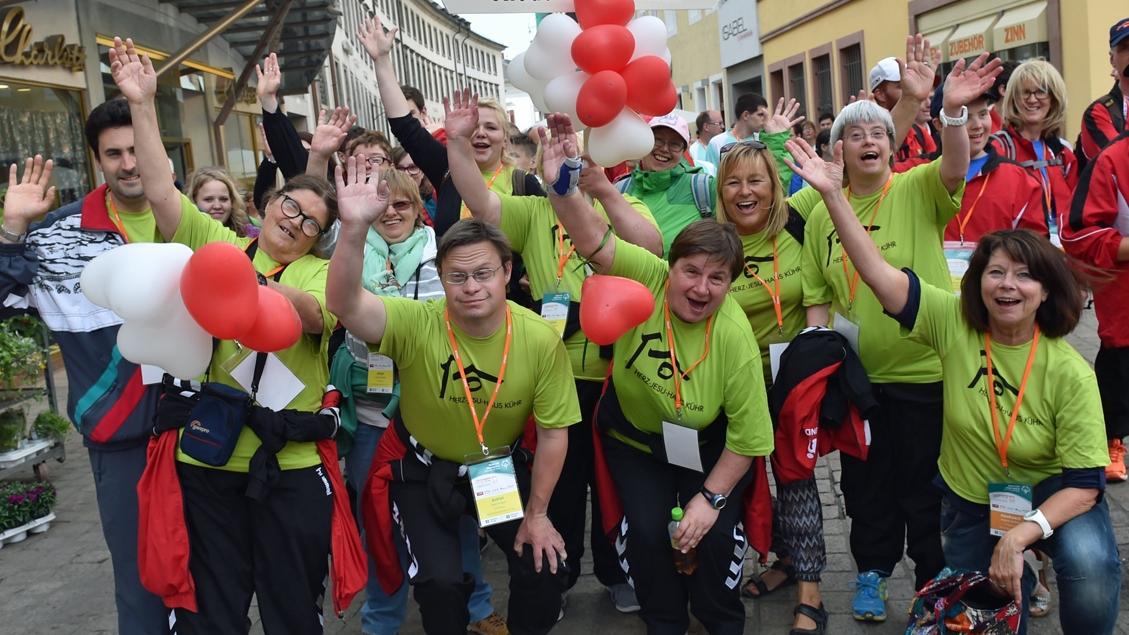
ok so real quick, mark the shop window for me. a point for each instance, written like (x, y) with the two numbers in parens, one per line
(47, 121)
(797, 87)
(850, 59)
(239, 136)
(776, 82)
(821, 80)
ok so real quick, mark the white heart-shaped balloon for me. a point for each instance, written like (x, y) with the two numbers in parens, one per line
(137, 280)
(561, 92)
(173, 341)
(544, 64)
(650, 37)
(627, 137)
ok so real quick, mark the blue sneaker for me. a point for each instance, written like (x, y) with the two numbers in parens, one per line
(870, 597)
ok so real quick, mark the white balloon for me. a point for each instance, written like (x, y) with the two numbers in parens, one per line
(519, 77)
(560, 93)
(537, 95)
(666, 56)
(650, 37)
(138, 280)
(173, 341)
(626, 137)
(544, 64)
(556, 32)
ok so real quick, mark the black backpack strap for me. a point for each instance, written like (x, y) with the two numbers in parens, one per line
(518, 182)
(795, 225)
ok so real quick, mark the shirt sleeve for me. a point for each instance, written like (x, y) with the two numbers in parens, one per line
(402, 336)
(517, 218)
(1079, 423)
(425, 150)
(1090, 233)
(927, 178)
(805, 200)
(285, 144)
(938, 317)
(749, 432)
(197, 229)
(775, 142)
(634, 262)
(816, 289)
(1097, 129)
(315, 272)
(554, 399)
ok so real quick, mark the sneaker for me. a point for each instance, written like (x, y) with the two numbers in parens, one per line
(1115, 471)
(870, 597)
(492, 625)
(623, 596)
(564, 603)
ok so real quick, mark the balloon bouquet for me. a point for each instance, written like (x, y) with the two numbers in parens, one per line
(173, 302)
(604, 73)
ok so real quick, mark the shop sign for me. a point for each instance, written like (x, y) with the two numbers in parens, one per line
(738, 31)
(966, 46)
(16, 47)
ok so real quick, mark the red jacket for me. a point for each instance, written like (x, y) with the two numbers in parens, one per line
(1062, 170)
(1098, 221)
(1102, 120)
(1002, 196)
(919, 143)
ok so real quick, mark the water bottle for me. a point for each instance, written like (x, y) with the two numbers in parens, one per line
(684, 563)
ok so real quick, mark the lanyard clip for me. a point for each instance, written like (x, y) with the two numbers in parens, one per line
(485, 450)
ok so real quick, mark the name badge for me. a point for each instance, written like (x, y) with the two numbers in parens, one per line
(847, 329)
(681, 445)
(493, 482)
(278, 386)
(1007, 503)
(151, 374)
(380, 374)
(554, 308)
(957, 255)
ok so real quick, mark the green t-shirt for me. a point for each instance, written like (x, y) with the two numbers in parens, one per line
(756, 300)
(805, 200)
(908, 230)
(433, 407)
(533, 230)
(140, 227)
(670, 197)
(307, 359)
(729, 380)
(1060, 423)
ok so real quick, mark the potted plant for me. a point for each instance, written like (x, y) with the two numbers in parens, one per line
(12, 429)
(25, 507)
(51, 425)
(21, 354)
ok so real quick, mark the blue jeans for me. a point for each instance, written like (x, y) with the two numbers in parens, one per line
(383, 614)
(1083, 551)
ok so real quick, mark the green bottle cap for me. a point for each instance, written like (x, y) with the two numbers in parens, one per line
(676, 514)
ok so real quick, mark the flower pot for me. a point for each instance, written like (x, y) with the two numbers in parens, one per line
(12, 429)
(20, 534)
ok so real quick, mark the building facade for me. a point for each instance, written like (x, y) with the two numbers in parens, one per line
(740, 48)
(692, 37)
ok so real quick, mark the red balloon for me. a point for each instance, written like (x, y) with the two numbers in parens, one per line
(649, 85)
(220, 290)
(591, 13)
(605, 47)
(277, 325)
(601, 98)
(611, 306)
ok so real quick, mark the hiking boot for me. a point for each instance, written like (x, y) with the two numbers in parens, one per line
(623, 596)
(1115, 471)
(870, 597)
(492, 625)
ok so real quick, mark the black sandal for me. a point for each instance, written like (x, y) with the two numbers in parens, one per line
(762, 588)
(817, 615)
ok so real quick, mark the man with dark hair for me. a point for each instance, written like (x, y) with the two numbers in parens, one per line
(523, 150)
(708, 125)
(826, 119)
(109, 399)
(1105, 118)
(750, 115)
(412, 94)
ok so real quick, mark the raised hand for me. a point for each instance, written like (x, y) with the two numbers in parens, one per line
(784, 118)
(558, 142)
(861, 96)
(461, 110)
(331, 131)
(270, 78)
(825, 177)
(919, 68)
(362, 196)
(376, 41)
(133, 73)
(965, 84)
(30, 198)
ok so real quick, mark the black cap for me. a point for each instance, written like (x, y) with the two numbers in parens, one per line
(1119, 31)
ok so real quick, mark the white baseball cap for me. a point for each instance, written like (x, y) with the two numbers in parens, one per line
(886, 70)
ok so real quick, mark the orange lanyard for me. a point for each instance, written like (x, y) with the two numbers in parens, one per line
(680, 375)
(1002, 445)
(117, 218)
(853, 281)
(464, 212)
(776, 283)
(480, 424)
(272, 271)
(968, 216)
(562, 255)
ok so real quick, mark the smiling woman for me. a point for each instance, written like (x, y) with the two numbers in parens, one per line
(217, 194)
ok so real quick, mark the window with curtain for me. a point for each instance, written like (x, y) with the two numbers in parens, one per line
(821, 77)
(47, 121)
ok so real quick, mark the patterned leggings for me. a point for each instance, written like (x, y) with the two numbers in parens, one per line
(797, 528)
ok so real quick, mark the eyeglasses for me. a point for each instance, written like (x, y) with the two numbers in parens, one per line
(672, 146)
(752, 143)
(1039, 94)
(291, 209)
(720, 124)
(875, 135)
(412, 169)
(401, 206)
(459, 278)
(376, 160)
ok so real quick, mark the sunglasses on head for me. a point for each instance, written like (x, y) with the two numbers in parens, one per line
(753, 143)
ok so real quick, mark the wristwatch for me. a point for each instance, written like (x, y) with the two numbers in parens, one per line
(717, 501)
(959, 120)
(10, 236)
(1036, 516)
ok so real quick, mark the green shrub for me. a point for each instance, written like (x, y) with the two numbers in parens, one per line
(50, 425)
(21, 355)
(21, 502)
(11, 429)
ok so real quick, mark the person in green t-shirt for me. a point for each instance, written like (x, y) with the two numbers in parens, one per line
(476, 352)
(238, 519)
(890, 497)
(685, 411)
(556, 276)
(1022, 463)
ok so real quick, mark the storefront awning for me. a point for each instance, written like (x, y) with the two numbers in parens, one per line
(1021, 26)
(302, 44)
(939, 41)
(971, 38)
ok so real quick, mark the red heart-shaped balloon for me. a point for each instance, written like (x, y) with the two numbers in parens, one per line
(591, 13)
(600, 99)
(220, 290)
(277, 325)
(605, 47)
(610, 306)
(649, 86)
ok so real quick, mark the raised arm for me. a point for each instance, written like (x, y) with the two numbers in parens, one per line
(588, 232)
(28, 199)
(379, 45)
(360, 202)
(917, 73)
(625, 219)
(137, 80)
(777, 130)
(963, 85)
(462, 118)
(330, 132)
(282, 137)
(890, 285)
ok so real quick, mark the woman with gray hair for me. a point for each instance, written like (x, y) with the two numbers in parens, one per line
(890, 497)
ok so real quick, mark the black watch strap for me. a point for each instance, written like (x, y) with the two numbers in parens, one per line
(717, 501)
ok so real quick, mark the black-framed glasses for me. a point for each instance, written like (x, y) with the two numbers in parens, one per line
(459, 278)
(670, 146)
(291, 209)
(376, 160)
(412, 169)
(752, 143)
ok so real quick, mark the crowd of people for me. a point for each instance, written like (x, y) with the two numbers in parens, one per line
(893, 281)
